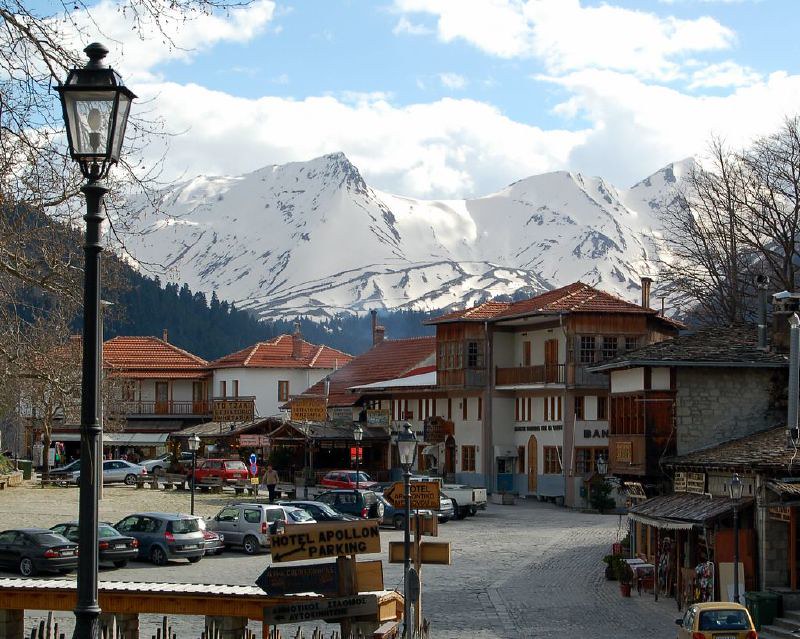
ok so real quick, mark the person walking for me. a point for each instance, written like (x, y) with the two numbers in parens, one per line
(271, 480)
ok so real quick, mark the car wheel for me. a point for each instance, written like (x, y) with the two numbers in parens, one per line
(473, 510)
(121, 563)
(156, 469)
(194, 560)
(399, 522)
(64, 571)
(158, 556)
(130, 479)
(456, 510)
(250, 545)
(444, 520)
(26, 567)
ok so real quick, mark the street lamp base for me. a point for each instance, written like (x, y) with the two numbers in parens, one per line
(87, 623)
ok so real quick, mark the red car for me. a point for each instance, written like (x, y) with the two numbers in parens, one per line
(347, 479)
(229, 470)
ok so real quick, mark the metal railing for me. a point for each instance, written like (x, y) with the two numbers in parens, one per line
(167, 407)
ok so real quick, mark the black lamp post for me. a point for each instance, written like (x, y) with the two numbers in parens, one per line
(735, 493)
(358, 434)
(602, 466)
(96, 106)
(406, 448)
(194, 444)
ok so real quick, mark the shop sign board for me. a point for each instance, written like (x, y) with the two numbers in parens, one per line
(378, 418)
(322, 579)
(424, 494)
(431, 552)
(327, 608)
(341, 414)
(254, 441)
(696, 483)
(309, 409)
(780, 513)
(233, 410)
(323, 541)
(679, 483)
(623, 452)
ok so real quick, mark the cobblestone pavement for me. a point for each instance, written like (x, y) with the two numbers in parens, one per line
(528, 570)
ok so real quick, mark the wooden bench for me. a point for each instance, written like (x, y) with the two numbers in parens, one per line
(142, 480)
(241, 486)
(172, 480)
(213, 484)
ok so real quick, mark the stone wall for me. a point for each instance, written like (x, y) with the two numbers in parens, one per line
(716, 405)
(776, 551)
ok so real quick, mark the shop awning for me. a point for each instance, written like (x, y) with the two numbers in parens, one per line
(132, 439)
(681, 511)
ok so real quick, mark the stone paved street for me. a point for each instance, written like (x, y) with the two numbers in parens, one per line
(528, 570)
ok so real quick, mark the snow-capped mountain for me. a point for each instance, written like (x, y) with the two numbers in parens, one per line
(313, 238)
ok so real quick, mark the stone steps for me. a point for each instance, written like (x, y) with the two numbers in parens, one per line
(786, 627)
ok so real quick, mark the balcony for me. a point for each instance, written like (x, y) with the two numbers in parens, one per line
(523, 375)
(461, 378)
(167, 408)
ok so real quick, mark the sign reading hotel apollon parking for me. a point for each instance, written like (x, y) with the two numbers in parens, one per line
(323, 541)
(328, 608)
(424, 494)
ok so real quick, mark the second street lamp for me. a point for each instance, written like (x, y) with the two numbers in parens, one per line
(95, 104)
(194, 444)
(735, 493)
(358, 434)
(407, 448)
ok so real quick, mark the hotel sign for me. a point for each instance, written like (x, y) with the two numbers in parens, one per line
(233, 410)
(323, 541)
(309, 409)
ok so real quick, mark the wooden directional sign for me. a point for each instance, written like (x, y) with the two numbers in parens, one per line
(322, 579)
(431, 552)
(327, 608)
(424, 494)
(323, 541)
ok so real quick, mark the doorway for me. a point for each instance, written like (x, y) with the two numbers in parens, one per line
(551, 361)
(162, 398)
(533, 457)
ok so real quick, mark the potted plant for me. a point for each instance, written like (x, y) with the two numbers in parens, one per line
(625, 578)
(608, 560)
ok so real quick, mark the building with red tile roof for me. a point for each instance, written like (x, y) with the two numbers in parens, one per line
(274, 370)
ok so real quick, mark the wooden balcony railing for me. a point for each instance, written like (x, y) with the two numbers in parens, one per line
(544, 374)
(169, 407)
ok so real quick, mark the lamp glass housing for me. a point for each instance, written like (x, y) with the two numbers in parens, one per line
(358, 433)
(194, 443)
(735, 487)
(406, 446)
(602, 465)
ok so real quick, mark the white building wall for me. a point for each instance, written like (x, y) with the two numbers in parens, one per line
(537, 338)
(627, 381)
(659, 378)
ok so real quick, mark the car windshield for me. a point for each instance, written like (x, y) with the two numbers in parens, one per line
(235, 465)
(50, 539)
(360, 476)
(183, 526)
(327, 510)
(299, 515)
(723, 620)
(107, 531)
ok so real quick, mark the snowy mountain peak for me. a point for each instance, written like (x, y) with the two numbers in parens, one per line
(313, 238)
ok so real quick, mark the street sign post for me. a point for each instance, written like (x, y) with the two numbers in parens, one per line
(321, 578)
(424, 494)
(327, 608)
(431, 552)
(324, 541)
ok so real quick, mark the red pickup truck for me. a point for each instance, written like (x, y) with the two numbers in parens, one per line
(229, 470)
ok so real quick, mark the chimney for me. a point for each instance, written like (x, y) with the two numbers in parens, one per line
(784, 305)
(165, 335)
(374, 314)
(794, 380)
(380, 331)
(762, 281)
(646, 282)
(297, 342)
(327, 386)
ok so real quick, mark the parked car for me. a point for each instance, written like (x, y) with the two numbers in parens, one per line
(396, 517)
(361, 503)
(165, 536)
(162, 462)
(31, 550)
(214, 542)
(320, 511)
(114, 470)
(113, 547)
(229, 470)
(446, 510)
(716, 619)
(347, 479)
(250, 525)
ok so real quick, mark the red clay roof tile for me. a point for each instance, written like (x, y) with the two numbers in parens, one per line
(278, 353)
(151, 357)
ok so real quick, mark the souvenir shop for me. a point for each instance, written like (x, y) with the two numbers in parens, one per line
(688, 539)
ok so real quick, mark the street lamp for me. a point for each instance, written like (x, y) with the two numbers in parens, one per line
(406, 448)
(95, 104)
(602, 466)
(194, 444)
(735, 493)
(358, 434)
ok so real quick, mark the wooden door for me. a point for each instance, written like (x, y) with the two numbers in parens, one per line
(526, 353)
(551, 360)
(533, 456)
(162, 398)
(198, 399)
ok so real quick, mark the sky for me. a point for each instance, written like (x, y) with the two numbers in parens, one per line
(459, 98)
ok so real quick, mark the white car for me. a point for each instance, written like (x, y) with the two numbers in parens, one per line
(162, 461)
(115, 470)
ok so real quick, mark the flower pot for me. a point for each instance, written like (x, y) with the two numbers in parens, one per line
(625, 589)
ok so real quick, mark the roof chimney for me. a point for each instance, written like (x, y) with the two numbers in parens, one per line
(762, 281)
(165, 335)
(646, 282)
(297, 342)
(374, 315)
(380, 331)
(794, 380)
(784, 305)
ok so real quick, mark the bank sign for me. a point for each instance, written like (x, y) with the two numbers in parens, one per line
(323, 541)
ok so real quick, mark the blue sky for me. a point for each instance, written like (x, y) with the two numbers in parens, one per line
(456, 98)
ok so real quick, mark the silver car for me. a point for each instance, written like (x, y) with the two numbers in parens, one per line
(115, 470)
(250, 525)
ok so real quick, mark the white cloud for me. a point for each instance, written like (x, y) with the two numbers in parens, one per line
(725, 74)
(453, 80)
(567, 36)
(404, 25)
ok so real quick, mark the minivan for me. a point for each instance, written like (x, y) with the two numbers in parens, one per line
(250, 525)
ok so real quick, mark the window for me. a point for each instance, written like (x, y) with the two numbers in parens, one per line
(480, 408)
(631, 342)
(609, 349)
(587, 349)
(552, 460)
(464, 408)
(223, 388)
(602, 408)
(552, 409)
(236, 388)
(283, 390)
(579, 402)
(468, 459)
(521, 460)
(526, 353)
(474, 354)
(252, 515)
(524, 407)
(450, 409)
(128, 391)
(586, 459)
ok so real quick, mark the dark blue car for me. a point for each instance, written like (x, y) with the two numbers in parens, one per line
(165, 536)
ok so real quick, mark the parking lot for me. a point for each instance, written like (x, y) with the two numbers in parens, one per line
(527, 570)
